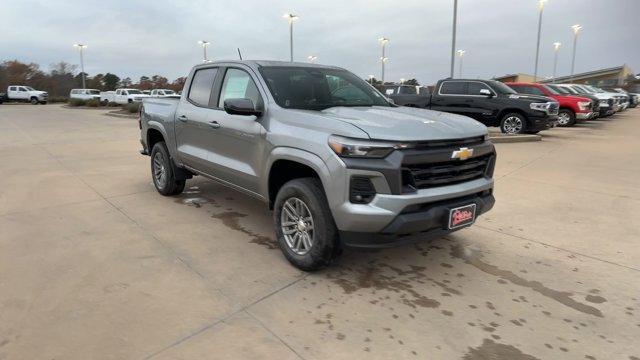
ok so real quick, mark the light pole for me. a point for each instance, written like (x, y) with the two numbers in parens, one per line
(371, 79)
(291, 17)
(453, 38)
(535, 71)
(402, 80)
(556, 47)
(204, 44)
(312, 58)
(81, 47)
(461, 55)
(576, 29)
(383, 59)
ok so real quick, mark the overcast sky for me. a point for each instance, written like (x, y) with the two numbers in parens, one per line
(134, 38)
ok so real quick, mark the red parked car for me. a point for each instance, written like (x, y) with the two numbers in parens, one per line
(572, 108)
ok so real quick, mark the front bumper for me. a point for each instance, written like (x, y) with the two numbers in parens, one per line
(584, 115)
(539, 123)
(418, 223)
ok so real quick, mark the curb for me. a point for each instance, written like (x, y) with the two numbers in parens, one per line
(503, 139)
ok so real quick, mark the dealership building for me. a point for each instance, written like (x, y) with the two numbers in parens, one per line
(609, 77)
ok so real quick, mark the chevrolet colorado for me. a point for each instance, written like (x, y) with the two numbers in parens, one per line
(337, 162)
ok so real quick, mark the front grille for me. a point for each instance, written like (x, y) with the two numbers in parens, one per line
(448, 143)
(422, 176)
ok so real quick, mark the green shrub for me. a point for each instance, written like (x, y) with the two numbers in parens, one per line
(77, 102)
(133, 107)
(93, 103)
(57, 99)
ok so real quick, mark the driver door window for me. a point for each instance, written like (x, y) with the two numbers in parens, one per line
(475, 87)
(238, 84)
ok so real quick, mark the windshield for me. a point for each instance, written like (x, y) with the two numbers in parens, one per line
(132, 92)
(94, 92)
(29, 88)
(578, 89)
(315, 88)
(559, 89)
(551, 90)
(502, 88)
(169, 92)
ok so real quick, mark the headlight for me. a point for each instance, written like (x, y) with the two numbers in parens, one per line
(349, 147)
(539, 106)
(584, 105)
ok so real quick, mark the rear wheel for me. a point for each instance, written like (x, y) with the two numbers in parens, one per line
(566, 117)
(513, 123)
(306, 232)
(162, 172)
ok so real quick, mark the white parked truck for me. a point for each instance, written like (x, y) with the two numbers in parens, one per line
(122, 96)
(163, 93)
(84, 94)
(25, 94)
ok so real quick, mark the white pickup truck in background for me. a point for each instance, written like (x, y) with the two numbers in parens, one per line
(25, 94)
(163, 93)
(84, 94)
(122, 96)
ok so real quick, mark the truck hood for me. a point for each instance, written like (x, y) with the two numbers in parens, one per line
(406, 124)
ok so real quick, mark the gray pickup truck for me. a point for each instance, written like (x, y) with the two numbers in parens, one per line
(338, 164)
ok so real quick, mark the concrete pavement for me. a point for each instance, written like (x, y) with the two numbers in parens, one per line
(94, 264)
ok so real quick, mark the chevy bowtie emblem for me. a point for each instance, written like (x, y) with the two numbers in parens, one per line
(462, 154)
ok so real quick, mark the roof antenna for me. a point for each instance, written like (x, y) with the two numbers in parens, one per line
(239, 54)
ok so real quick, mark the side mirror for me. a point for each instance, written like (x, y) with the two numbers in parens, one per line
(486, 92)
(241, 106)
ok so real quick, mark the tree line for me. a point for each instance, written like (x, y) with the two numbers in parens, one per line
(62, 77)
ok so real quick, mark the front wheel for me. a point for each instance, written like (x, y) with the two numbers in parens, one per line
(34, 101)
(306, 232)
(513, 123)
(566, 118)
(162, 173)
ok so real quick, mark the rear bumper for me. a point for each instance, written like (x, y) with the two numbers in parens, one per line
(417, 223)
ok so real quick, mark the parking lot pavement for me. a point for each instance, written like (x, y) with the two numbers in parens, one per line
(95, 264)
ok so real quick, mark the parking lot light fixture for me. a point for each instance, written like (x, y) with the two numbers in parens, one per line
(81, 47)
(383, 59)
(453, 36)
(576, 30)
(291, 18)
(541, 7)
(204, 45)
(402, 80)
(556, 48)
(312, 58)
(461, 56)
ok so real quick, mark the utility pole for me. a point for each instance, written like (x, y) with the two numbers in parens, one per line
(576, 29)
(81, 47)
(453, 38)
(535, 71)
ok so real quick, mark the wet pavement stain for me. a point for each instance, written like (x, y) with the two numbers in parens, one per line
(490, 350)
(231, 219)
(563, 297)
(596, 299)
(373, 277)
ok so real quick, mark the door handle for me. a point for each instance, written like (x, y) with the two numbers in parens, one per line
(214, 124)
(183, 118)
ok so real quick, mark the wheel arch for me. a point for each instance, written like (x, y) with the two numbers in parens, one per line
(286, 164)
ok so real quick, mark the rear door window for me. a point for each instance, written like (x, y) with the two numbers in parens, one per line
(409, 90)
(453, 88)
(202, 85)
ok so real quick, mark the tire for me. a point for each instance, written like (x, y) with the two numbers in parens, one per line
(34, 101)
(316, 224)
(566, 118)
(130, 101)
(513, 123)
(162, 173)
(105, 102)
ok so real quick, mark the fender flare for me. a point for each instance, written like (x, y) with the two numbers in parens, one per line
(301, 156)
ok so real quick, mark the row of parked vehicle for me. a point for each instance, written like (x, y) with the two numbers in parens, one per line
(119, 96)
(516, 107)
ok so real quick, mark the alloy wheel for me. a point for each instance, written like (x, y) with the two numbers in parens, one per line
(513, 125)
(159, 170)
(563, 118)
(297, 226)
